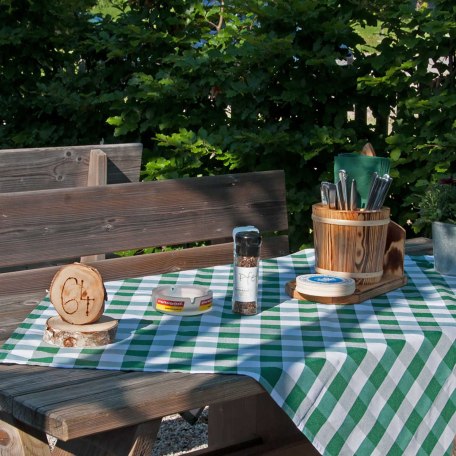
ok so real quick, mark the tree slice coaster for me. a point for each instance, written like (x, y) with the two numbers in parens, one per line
(78, 294)
(63, 334)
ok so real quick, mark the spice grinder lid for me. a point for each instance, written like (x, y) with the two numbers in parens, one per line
(248, 243)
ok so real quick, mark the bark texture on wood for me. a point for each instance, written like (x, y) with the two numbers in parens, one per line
(63, 334)
(78, 294)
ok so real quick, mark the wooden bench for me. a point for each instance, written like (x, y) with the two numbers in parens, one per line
(71, 166)
(63, 167)
(78, 221)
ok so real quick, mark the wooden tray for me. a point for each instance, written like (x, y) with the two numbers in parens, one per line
(393, 274)
(361, 293)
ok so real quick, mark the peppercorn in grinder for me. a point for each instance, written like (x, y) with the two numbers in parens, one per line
(247, 245)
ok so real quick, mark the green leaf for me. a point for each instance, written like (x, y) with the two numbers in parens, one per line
(395, 154)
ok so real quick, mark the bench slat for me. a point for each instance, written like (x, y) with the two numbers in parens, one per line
(29, 281)
(79, 398)
(64, 167)
(53, 224)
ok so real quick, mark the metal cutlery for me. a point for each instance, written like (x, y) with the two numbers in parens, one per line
(343, 189)
(373, 183)
(332, 196)
(386, 183)
(378, 191)
(324, 190)
(353, 196)
(340, 196)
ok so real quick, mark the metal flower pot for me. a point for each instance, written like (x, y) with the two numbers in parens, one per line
(444, 243)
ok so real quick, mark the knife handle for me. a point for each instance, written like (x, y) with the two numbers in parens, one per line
(353, 196)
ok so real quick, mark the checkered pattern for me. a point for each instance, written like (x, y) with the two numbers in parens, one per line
(374, 378)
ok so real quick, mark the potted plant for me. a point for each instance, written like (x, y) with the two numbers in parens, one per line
(438, 209)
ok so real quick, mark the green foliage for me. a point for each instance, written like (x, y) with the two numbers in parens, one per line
(437, 205)
(251, 86)
(212, 88)
(414, 74)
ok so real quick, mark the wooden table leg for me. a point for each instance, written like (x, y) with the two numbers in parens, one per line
(257, 423)
(131, 441)
(22, 442)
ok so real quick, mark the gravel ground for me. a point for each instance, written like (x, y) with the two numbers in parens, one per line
(177, 437)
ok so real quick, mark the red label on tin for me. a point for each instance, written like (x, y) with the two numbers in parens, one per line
(167, 304)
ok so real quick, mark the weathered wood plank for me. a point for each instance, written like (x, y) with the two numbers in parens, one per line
(130, 441)
(15, 380)
(256, 416)
(418, 246)
(37, 225)
(63, 167)
(80, 409)
(46, 225)
(97, 175)
(22, 441)
(29, 281)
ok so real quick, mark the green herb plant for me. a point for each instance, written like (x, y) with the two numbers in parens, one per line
(438, 204)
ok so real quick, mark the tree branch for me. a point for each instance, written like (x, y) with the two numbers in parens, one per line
(219, 26)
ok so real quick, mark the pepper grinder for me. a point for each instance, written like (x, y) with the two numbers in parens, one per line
(245, 278)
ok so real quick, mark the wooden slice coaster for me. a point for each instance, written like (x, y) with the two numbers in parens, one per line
(63, 334)
(78, 294)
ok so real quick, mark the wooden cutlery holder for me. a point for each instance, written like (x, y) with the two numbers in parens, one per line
(364, 245)
(350, 243)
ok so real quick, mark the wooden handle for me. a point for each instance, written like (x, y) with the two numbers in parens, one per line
(368, 150)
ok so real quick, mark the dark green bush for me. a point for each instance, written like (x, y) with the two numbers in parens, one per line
(414, 74)
(211, 88)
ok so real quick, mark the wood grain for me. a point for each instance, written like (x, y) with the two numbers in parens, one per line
(63, 167)
(393, 259)
(33, 283)
(10, 440)
(97, 175)
(128, 441)
(78, 293)
(346, 249)
(50, 224)
(80, 408)
(368, 149)
(362, 292)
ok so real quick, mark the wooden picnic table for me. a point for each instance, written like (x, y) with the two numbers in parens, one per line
(93, 409)
(121, 411)
(105, 412)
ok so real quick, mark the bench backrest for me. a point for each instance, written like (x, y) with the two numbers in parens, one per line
(64, 167)
(45, 225)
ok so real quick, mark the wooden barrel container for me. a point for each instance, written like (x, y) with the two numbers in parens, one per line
(350, 243)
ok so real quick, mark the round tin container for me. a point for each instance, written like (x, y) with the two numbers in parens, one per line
(182, 300)
(325, 285)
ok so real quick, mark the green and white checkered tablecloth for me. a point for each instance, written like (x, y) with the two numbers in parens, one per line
(374, 378)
